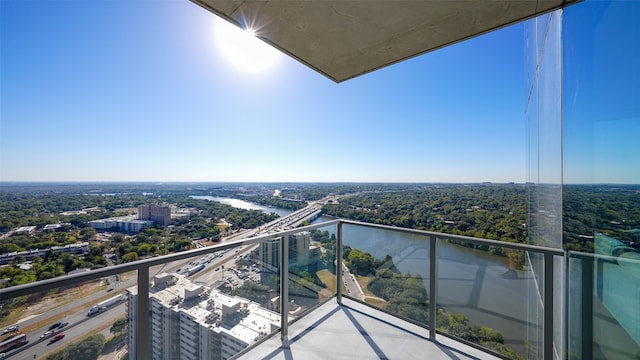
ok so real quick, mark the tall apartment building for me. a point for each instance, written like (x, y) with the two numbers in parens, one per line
(158, 214)
(132, 319)
(269, 255)
(191, 321)
(301, 252)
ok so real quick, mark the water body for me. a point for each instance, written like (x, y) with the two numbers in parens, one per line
(470, 282)
(241, 204)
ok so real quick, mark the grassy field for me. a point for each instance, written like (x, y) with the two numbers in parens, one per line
(364, 284)
(327, 278)
(376, 302)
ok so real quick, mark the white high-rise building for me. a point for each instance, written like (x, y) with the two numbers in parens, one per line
(191, 321)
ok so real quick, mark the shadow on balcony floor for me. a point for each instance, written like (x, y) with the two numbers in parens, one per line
(355, 331)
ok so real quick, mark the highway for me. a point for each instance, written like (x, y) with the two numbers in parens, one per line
(282, 223)
(79, 326)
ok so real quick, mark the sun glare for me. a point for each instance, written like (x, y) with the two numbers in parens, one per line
(243, 49)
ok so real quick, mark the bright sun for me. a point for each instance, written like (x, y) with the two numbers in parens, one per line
(243, 49)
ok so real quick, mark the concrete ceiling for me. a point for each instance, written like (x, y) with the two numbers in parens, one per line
(346, 38)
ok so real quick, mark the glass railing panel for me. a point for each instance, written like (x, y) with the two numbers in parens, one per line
(213, 304)
(604, 305)
(534, 262)
(482, 295)
(387, 269)
(56, 323)
(312, 277)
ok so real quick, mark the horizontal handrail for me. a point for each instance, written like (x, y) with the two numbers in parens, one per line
(611, 258)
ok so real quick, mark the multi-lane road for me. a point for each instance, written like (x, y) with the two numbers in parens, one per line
(79, 326)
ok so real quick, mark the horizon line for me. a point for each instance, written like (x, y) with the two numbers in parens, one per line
(82, 182)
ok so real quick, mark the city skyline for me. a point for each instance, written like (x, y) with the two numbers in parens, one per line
(142, 92)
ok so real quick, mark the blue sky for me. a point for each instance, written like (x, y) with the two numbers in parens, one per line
(139, 91)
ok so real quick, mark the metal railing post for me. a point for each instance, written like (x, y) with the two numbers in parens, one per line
(586, 296)
(339, 264)
(547, 327)
(564, 317)
(433, 296)
(143, 326)
(284, 288)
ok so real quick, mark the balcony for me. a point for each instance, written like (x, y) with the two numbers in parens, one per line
(493, 299)
(353, 330)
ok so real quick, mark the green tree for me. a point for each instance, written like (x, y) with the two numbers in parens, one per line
(129, 257)
(359, 262)
(117, 238)
(118, 326)
(87, 233)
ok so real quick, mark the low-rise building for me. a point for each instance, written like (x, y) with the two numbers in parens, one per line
(76, 249)
(122, 223)
(56, 227)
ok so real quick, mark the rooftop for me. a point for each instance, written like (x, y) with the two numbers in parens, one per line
(257, 323)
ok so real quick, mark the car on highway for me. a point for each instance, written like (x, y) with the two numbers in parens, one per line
(56, 338)
(11, 329)
(55, 325)
(46, 334)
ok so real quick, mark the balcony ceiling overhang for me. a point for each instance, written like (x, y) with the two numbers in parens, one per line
(344, 39)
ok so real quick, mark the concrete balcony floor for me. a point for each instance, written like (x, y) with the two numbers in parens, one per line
(353, 331)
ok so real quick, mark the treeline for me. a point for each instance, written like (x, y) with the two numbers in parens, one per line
(278, 202)
(496, 212)
(45, 239)
(499, 211)
(51, 265)
(18, 210)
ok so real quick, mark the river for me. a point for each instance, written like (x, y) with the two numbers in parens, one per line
(241, 204)
(470, 282)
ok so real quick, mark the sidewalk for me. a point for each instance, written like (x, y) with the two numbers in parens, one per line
(115, 355)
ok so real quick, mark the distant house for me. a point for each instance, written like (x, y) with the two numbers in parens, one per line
(55, 227)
